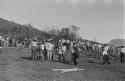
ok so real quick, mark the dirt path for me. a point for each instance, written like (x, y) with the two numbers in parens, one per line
(15, 66)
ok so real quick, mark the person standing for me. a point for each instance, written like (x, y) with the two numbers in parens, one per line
(0, 45)
(39, 51)
(49, 48)
(105, 56)
(42, 47)
(45, 53)
(60, 54)
(10, 42)
(74, 54)
(33, 49)
(63, 53)
(122, 54)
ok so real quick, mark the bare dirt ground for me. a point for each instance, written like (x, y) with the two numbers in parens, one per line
(15, 65)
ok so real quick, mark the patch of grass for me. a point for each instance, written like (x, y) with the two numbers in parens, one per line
(43, 70)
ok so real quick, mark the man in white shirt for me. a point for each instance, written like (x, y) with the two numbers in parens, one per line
(105, 55)
(33, 49)
(0, 44)
(34, 43)
(42, 46)
(49, 47)
(63, 53)
(122, 53)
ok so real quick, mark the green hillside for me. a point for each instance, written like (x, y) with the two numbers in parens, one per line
(16, 30)
(117, 42)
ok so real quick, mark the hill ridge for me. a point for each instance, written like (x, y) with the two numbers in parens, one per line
(117, 42)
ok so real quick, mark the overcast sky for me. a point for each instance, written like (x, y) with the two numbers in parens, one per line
(100, 19)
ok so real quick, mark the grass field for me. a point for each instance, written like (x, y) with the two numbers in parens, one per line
(15, 65)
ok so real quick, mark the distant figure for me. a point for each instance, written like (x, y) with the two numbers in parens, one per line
(45, 53)
(19, 45)
(105, 55)
(39, 56)
(49, 48)
(61, 56)
(122, 54)
(63, 52)
(0, 45)
(42, 46)
(10, 42)
(33, 49)
(75, 55)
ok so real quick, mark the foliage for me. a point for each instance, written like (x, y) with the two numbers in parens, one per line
(22, 32)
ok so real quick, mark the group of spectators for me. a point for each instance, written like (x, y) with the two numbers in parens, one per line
(46, 50)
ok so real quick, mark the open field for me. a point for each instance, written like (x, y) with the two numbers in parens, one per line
(15, 65)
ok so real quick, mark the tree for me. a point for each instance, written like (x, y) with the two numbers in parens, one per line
(74, 31)
(65, 33)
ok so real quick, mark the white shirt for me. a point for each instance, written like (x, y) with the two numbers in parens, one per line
(49, 46)
(42, 46)
(3, 40)
(123, 50)
(68, 41)
(0, 37)
(33, 43)
(72, 50)
(106, 48)
(60, 51)
(64, 48)
(63, 41)
(105, 52)
(71, 44)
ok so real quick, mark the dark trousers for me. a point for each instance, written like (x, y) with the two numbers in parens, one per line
(122, 57)
(40, 56)
(33, 56)
(0, 50)
(61, 58)
(45, 54)
(106, 59)
(74, 58)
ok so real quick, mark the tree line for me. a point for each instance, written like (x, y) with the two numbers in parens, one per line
(23, 32)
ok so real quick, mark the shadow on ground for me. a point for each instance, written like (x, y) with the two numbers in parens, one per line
(26, 58)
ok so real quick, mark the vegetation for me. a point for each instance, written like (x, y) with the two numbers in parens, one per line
(22, 32)
(117, 42)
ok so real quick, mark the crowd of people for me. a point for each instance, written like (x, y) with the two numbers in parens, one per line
(48, 49)
(45, 50)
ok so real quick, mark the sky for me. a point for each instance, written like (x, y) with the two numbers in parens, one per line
(102, 20)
